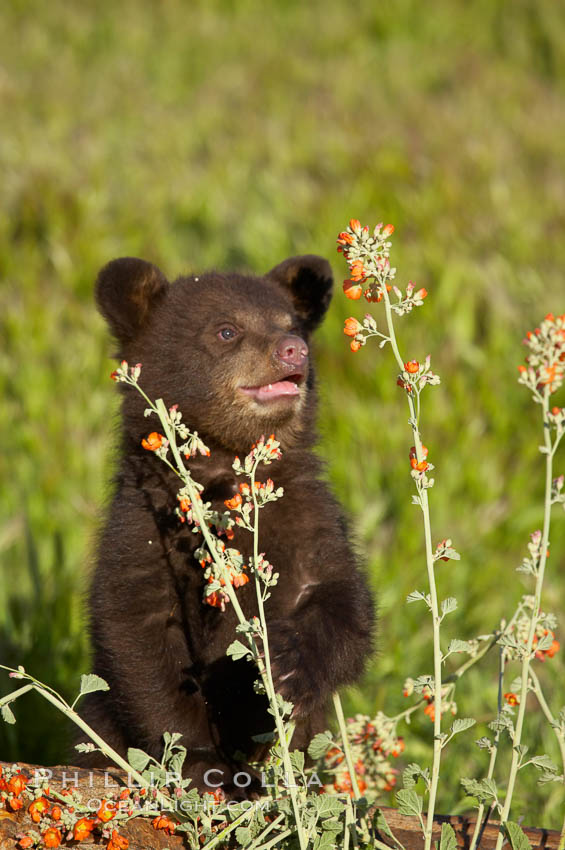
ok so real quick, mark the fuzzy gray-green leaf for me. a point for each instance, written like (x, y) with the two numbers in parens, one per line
(517, 836)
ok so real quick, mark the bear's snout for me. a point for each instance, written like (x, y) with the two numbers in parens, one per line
(292, 351)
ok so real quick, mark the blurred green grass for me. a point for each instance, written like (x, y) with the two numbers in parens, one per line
(232, 134)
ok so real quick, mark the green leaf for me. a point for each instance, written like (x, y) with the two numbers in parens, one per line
(462, 723)
(423, 682)
(548, 776)
(297, 761)
(448, 605)
(459, 646)
(544, 643)
(243, 836)
(172, 738)
(448, 840)
(176, 762)
(264, 737)
(380, 824)
(8, 714)
(332, 826)
(325, 841)
(412, 773)
(319, 745)
(328, 806)
(409, 803)
(484, 790)
(137, 759)
(237, 650)
(517, 836)
(418, 596)
(544, 763)
(91, 682)
(502, 722)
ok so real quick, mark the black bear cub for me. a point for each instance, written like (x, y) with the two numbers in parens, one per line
(233, 352)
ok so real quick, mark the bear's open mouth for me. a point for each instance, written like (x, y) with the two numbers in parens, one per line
(288, 387)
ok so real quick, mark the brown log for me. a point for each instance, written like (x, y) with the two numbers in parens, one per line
(97, 784)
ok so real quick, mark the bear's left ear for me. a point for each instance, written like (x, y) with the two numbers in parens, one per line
(309, 280)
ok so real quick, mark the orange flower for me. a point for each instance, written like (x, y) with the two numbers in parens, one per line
(512, 699)
(556, 411)
(164, 823)
(420, 294)
(17, 784)
(549, 374)
(344, 238)
(355, 345)
(412, 366)
(372, 297)
(107, 811)
(355, 224)
(38, 808)
(352, 327)
(216, 600)
(522, 369)
(334, 756)
(553, 649)
(234, 502)
(117, 841)
(352, 290)
(15, 803)
(388, 230)
(357, 270)
(430, 710)
(240, 580)
(185, 504)
(52, 837)
(83, 828)
(56, 813)
(153, 442)
(26, 841)
(419, 466)
(343, 784)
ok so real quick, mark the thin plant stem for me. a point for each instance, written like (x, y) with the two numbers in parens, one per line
(13, 695)
(346, 748)
(558, 734)
(479, 826)
(265, 832)
(264, 667)
(283, 742)
(436, 618)
(527, 651)
(57, 700)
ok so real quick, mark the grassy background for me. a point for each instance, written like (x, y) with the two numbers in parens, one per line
(232, 134)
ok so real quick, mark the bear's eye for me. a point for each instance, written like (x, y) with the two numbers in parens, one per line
(227, 333)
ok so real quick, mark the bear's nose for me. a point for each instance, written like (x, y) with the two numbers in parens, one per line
(293, 351)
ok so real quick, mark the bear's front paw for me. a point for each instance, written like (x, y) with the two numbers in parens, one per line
(289, 666)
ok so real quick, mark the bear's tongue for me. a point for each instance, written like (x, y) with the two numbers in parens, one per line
(273, 391)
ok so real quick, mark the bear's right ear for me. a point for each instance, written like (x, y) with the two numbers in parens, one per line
(127, 290)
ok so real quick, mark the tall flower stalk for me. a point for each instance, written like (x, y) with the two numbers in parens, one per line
(542, 375)
(371, 275)
(222, 583)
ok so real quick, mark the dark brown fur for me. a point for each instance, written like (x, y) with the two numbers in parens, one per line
(162, 650)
